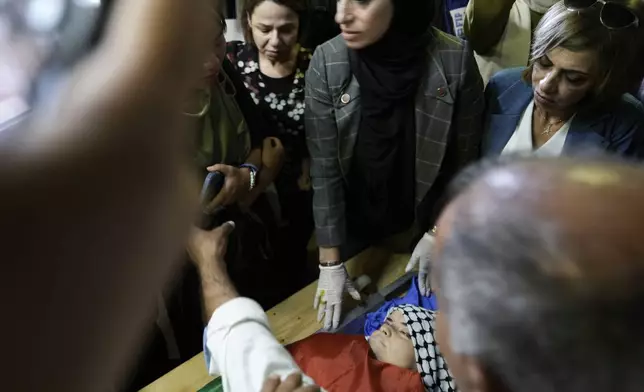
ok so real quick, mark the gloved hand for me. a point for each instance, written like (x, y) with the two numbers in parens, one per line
(328, 298)
(421, 257)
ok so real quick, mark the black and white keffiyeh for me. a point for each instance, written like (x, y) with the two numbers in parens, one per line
(429, 360)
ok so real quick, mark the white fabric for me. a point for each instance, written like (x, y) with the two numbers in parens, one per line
(234, 31)
(239, 345)
(521, 140)
(513, 49)
(541, 6)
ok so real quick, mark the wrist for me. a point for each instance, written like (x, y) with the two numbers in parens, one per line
(217, 292)
(250, 174)
(328, 255)
(330, 263)
(212, 267)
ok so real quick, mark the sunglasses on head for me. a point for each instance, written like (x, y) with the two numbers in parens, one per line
(613, 16)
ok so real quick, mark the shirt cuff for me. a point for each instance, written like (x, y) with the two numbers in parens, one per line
(226, 316)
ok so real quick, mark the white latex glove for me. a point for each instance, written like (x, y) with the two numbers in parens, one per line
(328, 298)
(421, 257)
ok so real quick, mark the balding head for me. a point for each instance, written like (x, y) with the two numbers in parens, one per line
(541, 274)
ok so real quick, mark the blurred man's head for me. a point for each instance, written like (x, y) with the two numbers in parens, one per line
(539, 271)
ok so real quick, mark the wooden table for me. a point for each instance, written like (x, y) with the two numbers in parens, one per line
(291, 320)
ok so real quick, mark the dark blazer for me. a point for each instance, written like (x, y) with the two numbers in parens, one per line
(618, 129)
(449, 106)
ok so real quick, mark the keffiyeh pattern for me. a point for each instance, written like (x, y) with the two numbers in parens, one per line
(429, 360)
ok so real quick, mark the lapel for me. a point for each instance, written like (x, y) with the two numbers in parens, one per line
(434, 109)
(587, 131)
(347, 117)
(503, 119)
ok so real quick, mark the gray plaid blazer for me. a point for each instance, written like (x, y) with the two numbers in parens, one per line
(449, 108)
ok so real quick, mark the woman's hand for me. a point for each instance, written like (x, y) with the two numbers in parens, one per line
(236, 186)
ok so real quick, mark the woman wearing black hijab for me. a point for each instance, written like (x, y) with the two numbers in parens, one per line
(393, 110)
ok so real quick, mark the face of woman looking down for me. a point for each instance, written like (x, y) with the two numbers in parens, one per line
(363, 22)
(275, 30)
(562, 79)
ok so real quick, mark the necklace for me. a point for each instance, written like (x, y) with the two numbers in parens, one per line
(547, 130)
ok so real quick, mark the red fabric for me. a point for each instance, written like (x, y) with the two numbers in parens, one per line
(341, 363)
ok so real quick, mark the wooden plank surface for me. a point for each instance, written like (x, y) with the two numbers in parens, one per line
(293, 319)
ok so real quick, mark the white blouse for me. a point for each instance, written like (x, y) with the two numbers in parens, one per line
(521, 140)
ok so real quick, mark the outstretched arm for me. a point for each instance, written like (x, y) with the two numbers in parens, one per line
(238, 342)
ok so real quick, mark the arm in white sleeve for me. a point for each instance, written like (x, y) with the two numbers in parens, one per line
(239, 345)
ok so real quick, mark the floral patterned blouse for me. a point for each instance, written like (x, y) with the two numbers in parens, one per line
(282, 100)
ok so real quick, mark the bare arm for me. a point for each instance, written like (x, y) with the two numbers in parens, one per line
(239, 344)
(207, 249)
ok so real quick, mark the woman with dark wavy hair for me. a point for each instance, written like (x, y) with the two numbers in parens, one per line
(272, 63)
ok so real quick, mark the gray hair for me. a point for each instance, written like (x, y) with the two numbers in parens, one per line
(514, 304)
(579, 31)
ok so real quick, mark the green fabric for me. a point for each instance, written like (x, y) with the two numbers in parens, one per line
(485, 22)
(213, 386)
(223, 136)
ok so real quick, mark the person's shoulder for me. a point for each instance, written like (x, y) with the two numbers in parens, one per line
(507, 77)
(631, 104)
(451, 50)
(508, 80)
(630, 109)
(331, 49)
(333, 52)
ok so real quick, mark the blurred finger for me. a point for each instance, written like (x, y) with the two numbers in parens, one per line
(227, 228)
(293, 381)
(337, 312)
(321, 311)
(223, 169)
(422, 283)
(413, 261)
(271, 384)
(353, 292)
(217, 202)
(328, 316)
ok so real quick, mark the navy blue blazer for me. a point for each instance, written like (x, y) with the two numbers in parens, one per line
(618, 129)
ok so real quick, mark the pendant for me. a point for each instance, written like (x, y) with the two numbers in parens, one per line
(547, 130)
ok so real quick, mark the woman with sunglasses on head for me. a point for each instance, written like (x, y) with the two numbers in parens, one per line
(393, 110)
(272, 63)
(572, 95)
